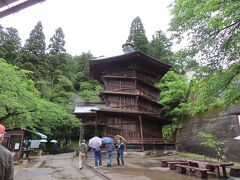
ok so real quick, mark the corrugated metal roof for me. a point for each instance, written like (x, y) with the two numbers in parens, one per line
(85, 109)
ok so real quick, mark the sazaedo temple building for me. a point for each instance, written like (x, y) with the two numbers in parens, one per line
(128, 104)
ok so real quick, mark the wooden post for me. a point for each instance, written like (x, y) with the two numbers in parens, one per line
(81, 135)
(141, 131)
(96, 118)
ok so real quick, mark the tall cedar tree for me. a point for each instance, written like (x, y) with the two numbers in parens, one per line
(33, 56)
(10, 44)
(57, 55)
(57, 87)
(160, 47)
(137, 35)
(57, 42)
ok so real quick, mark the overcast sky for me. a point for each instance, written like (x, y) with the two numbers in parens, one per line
(98, 26)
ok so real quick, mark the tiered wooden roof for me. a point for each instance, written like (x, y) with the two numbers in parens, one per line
(99, 66)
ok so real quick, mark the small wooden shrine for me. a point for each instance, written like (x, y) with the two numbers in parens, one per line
(19, 141)
(129, 101)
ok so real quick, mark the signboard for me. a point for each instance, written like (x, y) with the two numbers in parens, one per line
(17, 145)
(35, 144)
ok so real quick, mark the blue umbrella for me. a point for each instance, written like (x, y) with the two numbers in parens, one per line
(107, 139)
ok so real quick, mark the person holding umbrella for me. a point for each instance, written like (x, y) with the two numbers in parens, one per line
(120, 150)
(98, 156)
(54, 146)
(95, 143)
(109, 149)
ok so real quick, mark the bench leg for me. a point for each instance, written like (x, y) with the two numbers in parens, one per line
(181, 170)
(212, 168)
(164, 164)
(217, 170)
(172, 166)
(224, 172)
(201, 174)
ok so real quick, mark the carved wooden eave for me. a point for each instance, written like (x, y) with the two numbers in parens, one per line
(99, 107)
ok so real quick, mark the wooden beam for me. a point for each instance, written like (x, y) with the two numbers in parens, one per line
(81, 133)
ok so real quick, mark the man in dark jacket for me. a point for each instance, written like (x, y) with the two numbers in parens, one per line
(6, 161)
(109, 148)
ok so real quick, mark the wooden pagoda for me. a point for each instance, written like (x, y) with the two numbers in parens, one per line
(129, 101)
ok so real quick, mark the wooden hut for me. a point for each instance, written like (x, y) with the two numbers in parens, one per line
(129, 101)
(19, 141)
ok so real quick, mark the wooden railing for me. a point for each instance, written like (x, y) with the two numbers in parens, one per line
(146, 79)
(148, 141)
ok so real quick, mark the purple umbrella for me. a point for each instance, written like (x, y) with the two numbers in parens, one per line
(95, 142)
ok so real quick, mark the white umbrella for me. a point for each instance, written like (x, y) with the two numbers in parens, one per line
(95, 142)
(53, 141)
(43, 140)
(238, 138)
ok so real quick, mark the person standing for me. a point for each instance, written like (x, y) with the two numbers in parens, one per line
(41, 149)
(54, 148)
(98, 157)
(109, 149)
(120, 150)
(6, 161)
(82, 153)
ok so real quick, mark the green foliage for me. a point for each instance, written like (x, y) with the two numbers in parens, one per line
(89, 91)
(39, 96)
(173, 88)
(54, 120)
(21, 105)
(10, 44)
(82, 73)
(183, 61)
(59, 92)
(16, 91)
(219, 90)
(213, 29)
(160, 47)
(169, 131)
(211, 142)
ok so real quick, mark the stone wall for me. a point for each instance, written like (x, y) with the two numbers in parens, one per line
(223, 124)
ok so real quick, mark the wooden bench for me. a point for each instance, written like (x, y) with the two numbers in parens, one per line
(172, 165)
(234, 171)
(199, 172)
(215, 167)
(164, 163)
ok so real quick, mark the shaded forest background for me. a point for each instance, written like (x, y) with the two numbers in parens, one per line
(40, 83)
